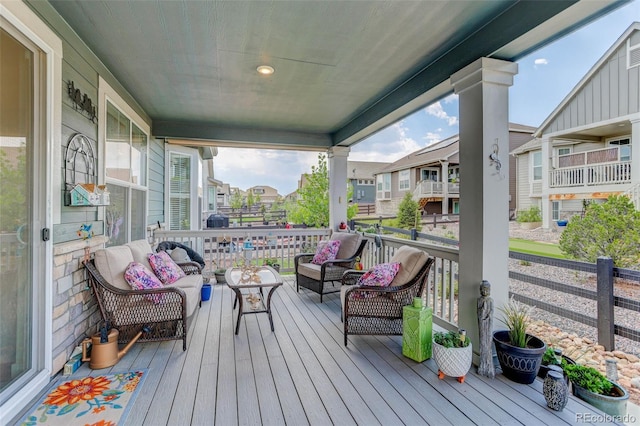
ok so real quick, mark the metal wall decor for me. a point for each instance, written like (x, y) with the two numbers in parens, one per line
(80, 174)
(82, 102)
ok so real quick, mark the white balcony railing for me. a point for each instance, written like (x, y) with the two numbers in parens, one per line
(591, 175)
(429, 188)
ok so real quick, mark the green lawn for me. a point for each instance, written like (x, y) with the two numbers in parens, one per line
(536, 248)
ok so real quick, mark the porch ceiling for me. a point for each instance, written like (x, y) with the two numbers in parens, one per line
(343, 70)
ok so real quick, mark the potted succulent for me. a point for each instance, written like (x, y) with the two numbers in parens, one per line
(593, 387)
(452, 352)
(554, 356)
(519, 353)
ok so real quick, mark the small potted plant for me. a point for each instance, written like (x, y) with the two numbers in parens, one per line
(272, 262)
(219, 274)
(530, 219)
(519, 353)
(593, 387)
(554, 356)
(452, 352)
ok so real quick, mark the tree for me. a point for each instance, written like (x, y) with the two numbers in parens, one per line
(608, 229)
(407, 212)
(236, 201)
(251, 200)
(312, 207)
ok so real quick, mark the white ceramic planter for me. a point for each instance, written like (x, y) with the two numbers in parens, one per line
(453, 362)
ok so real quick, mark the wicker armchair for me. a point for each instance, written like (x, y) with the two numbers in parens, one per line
(166, 311)
(315, 277)
(373, 310)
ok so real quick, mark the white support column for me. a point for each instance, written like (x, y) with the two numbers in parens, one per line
(484, 195)
(635, 151)
(547, 158)
(445, 186)
(338, 156)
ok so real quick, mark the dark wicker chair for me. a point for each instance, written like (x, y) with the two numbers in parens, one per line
(324, 279)
(373, 310)
(130, 310)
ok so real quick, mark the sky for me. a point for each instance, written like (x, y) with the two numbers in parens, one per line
(544, 79)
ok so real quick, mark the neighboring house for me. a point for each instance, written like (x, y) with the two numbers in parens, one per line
(361, 175)
(267, 194)
(584, 150)
(224, 195)
(432, 175)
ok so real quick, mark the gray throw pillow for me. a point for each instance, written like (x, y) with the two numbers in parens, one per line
(179, 255)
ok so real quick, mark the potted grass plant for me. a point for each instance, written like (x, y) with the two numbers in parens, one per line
(593, 387)
(519, 353)
(452, 352)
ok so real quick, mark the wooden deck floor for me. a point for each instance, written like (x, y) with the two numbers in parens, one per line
(303, 374)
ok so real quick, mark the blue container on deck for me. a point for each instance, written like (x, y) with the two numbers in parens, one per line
(205, 293)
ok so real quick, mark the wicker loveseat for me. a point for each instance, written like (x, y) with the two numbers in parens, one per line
(374, 310)
(315, 277)
(166, 311)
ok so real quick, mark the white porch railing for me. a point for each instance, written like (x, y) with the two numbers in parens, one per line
(591, 174)
(221, 248)
(429, 188)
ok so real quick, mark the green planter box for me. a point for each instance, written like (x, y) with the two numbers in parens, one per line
(416, 332)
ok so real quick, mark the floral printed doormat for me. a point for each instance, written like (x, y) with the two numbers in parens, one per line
(103, 400)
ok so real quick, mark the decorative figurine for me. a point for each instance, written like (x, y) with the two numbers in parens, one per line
(485, 327)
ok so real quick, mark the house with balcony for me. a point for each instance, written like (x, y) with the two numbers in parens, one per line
(132, 96)
(432, 174)
(587, 149)
(268, 195)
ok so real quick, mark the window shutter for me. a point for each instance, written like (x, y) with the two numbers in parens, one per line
(633, 54)
(179, 191)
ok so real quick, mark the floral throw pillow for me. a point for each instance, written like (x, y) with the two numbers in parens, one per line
(380, 275)
(165, 267)
(326, 250)
(140, 277)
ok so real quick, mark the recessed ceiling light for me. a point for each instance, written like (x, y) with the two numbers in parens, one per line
(265, 70)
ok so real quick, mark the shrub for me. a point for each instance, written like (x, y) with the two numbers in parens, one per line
(531, 215)
(588, 378)
(608, 229)
(407, 212)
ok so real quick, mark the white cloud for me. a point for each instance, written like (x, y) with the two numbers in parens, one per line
(388, 145)
(540, 61)
(450, 99)
(432, 137)
(437, 111)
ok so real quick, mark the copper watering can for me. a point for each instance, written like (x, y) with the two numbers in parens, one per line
(104, 348)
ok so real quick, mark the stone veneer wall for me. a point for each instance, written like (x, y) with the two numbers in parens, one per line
(75, 310)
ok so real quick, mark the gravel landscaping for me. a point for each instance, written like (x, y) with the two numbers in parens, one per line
(575, 338)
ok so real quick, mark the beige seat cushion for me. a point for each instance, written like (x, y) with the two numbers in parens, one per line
(349, 243)
(112, 262)
(310, 270)
(363, 306)
(194, 281)
(140, 250)
(411, 261)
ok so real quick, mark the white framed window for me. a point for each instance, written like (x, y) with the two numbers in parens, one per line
(456, 207)
(363, 182)
(536, 165)
(259, 191)
(182, 188)
(454, 174)
(383, 186)
(625, 146)
(404, 180)
(430, 173)
(126, 140)
(555, 210)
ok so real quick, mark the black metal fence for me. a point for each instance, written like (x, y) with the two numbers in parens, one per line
(604, 295)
